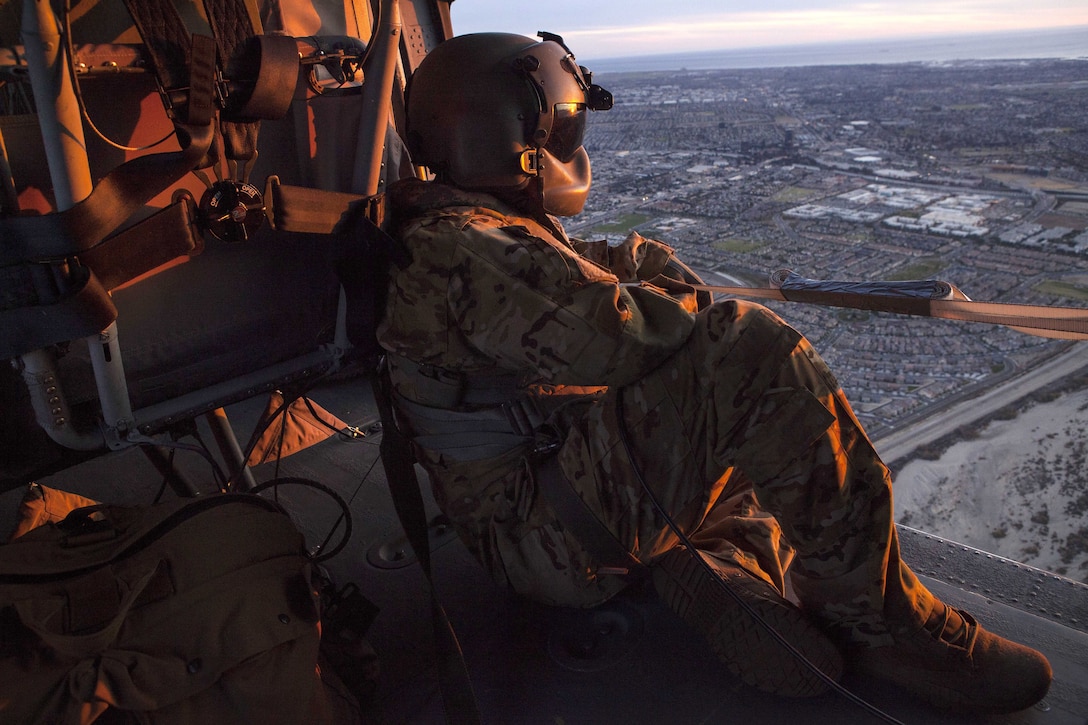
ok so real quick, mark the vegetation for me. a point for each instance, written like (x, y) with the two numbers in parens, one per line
(736, 245)
(922, 269)
(622, 225)
(1062, 289)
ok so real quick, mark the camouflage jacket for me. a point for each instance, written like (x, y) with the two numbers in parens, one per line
(496, 301)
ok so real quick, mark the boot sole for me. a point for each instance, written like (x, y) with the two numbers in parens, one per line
(746, 648)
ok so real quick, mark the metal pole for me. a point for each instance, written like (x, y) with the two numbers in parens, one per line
(228, 446)
(70, 173)
(377, 100)
(55, 98)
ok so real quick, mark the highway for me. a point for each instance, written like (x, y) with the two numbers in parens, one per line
(903, 442)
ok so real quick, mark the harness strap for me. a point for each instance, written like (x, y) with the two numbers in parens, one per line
(166, 41)
(165, 235)
(233, 22)
(512, 420)
(79, 307)
(575, 516)
(60, 296)
(398, 461)
(303, 209)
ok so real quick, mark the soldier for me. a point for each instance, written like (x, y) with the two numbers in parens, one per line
(520, 358)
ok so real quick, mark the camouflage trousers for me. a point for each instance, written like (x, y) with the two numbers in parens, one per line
(746, 439)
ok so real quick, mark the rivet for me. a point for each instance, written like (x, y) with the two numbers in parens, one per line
(284, 618)
(194, 666)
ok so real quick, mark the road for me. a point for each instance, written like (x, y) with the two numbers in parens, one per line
(903, 442)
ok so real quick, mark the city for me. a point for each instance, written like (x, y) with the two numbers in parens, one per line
(972, 173)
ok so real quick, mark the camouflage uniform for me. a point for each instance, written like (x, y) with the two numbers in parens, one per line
(739, 428)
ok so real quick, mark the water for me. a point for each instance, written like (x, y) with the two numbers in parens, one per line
(1054, 43)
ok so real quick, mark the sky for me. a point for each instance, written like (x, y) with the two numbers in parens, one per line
(621, 28)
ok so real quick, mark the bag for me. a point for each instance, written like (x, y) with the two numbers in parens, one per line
(195, 611)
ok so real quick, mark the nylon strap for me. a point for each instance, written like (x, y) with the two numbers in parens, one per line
(303, 209)
(575, 516)
(233, 22)
(398, 462)
(78, 305)
(924, 299)
(166, 41)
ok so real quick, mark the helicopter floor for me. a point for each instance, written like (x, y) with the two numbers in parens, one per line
(628, 661)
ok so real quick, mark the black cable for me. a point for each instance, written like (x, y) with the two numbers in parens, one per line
(347, 433)
(165, 478)
(202, 450)
(775, 634)
(350, 500)
(263, 425)
(345, 511)
(70, 52)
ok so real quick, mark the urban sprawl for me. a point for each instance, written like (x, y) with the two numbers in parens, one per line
(974, 173)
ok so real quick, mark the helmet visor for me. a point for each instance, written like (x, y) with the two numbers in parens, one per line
(568, 129)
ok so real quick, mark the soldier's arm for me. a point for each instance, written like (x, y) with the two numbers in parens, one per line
(537, 307)
(638, 258)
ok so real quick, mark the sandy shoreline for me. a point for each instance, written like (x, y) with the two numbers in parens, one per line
(1019, 490)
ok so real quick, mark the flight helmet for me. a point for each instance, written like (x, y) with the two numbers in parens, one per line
(501, 112)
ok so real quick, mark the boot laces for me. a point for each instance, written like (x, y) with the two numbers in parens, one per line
(954, 627)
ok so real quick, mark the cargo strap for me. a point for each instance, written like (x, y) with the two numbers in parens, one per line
(399, 464)
(926, 298)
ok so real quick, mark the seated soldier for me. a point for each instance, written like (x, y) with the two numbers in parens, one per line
(518, 355)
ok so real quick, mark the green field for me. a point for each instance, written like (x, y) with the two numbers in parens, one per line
(623, 224)
(1062, 289)
(923, 269)
(793, 195)
(736, 245)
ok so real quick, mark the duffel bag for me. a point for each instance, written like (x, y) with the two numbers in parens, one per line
(194, 611)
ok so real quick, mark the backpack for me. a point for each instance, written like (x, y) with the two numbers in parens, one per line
(192, 611)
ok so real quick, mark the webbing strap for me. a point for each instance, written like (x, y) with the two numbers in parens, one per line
(921, 298)
(232, 24)
(166, 41)
(83, 309)
(303, 209)
(165, 235)
(398, 461)
(575, 516)
(81, 305)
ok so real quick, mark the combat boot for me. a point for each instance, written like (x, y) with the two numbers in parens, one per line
(746, 648)
(954, 663)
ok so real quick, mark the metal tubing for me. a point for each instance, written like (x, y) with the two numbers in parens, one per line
(55, 98)
(377, 100)
(39, 369)
(69, 171)
(229, 448)
(177, 480)
(109, 377)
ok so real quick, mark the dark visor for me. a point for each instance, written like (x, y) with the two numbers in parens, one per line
(568, 128)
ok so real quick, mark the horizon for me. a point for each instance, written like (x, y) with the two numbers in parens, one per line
(897, 40)
(637, 28)
(1035, 44)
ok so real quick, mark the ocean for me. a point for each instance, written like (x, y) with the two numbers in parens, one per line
(1054, 43)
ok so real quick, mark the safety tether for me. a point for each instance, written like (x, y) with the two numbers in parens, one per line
(924, 298)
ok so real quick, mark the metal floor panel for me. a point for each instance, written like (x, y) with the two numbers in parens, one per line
(630, 661)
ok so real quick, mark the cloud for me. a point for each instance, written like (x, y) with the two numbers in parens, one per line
(638, 27)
